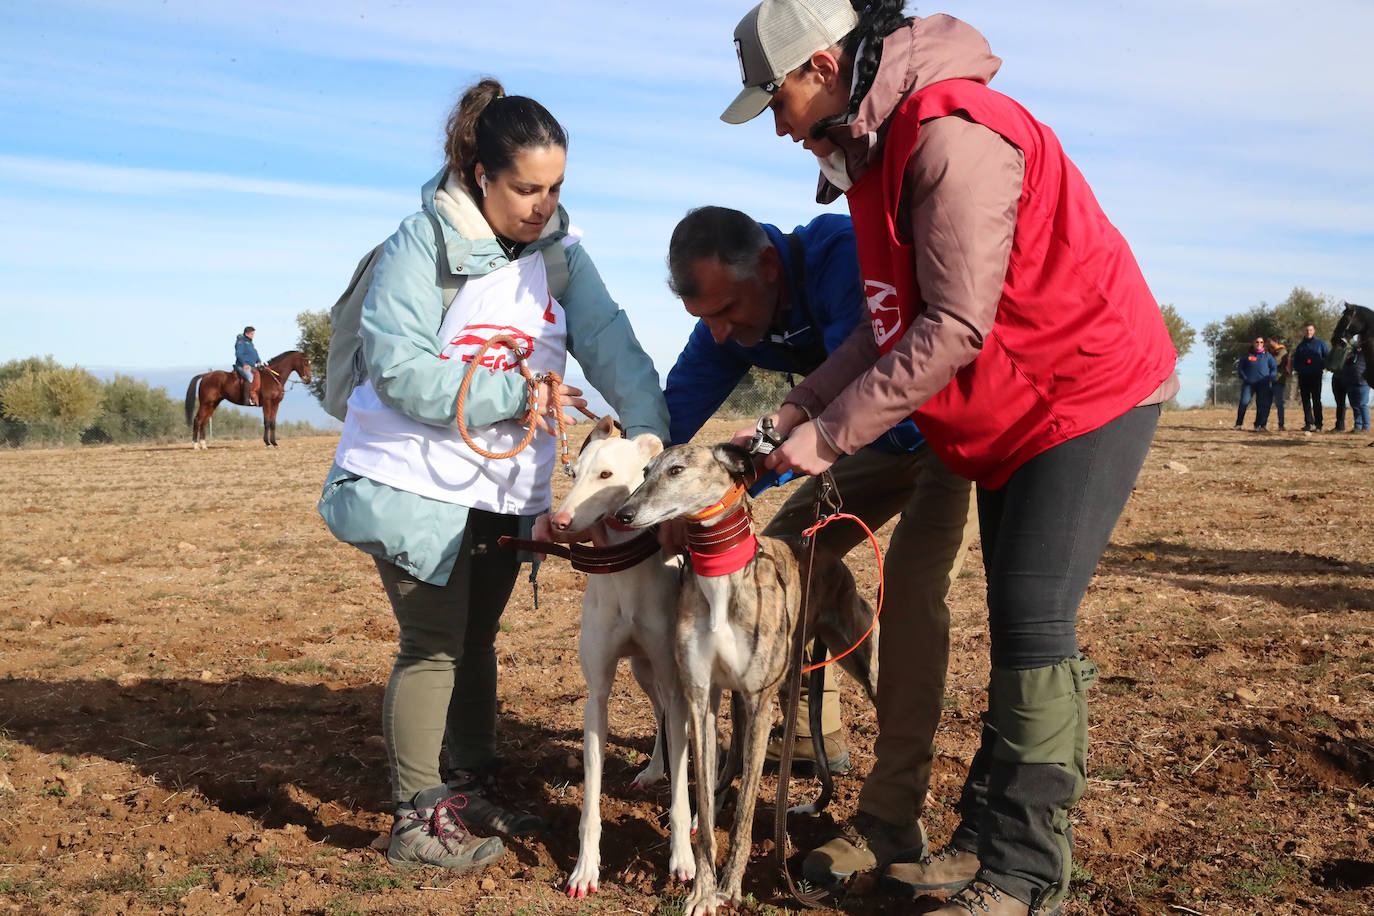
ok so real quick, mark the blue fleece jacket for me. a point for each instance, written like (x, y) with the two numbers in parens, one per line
(244, 351)
(1309, 356)
(1254, 368)
(819, 319)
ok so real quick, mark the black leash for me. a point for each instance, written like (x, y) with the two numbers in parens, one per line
(825, 503)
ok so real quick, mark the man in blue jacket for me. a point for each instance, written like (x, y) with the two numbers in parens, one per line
(1257, 371)
(245, 361)
(783, 302)
(1309, 359)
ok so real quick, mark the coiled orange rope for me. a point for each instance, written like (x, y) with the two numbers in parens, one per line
(809, 532)
(531, 416)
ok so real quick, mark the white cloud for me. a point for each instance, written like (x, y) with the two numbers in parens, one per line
(90, 177)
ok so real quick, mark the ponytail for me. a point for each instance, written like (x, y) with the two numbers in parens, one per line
(877, 20)
(490, 127)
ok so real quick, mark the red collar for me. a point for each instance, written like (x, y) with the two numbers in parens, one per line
(726, 546)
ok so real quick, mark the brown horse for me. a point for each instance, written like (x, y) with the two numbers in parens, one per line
(209, 388)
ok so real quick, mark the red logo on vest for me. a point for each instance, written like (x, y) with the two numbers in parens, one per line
(500, 358)
(883, 310)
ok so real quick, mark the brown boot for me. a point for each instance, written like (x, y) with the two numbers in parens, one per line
(947, 870)
(863, 843)
(982, 898)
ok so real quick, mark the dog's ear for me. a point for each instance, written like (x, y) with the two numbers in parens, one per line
(648, 444)
(738, 461)
(606, 428)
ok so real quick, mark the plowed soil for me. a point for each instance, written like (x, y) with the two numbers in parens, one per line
(191, 673)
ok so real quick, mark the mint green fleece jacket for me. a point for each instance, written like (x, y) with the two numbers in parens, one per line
(399, 327)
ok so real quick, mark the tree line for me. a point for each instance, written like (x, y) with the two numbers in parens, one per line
(45, 403)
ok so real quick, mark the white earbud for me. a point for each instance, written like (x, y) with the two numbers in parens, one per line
(483, 182)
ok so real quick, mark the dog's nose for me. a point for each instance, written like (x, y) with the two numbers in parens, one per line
(561, 521)
(624, 517)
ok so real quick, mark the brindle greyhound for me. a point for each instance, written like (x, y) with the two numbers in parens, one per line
(735, 628)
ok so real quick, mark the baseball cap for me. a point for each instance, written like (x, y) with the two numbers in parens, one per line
(776, 37)
(249, 330)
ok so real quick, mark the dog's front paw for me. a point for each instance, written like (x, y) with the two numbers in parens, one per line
(582, 881)
(703, 903)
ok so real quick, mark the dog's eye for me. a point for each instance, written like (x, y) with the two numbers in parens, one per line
(606, 475)
(675, 470)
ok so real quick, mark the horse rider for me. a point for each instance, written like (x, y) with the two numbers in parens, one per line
(246, 360)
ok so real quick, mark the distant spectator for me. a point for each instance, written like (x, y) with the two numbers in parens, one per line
(1285, 368)
(1257, 370)
(1335, 361)
(1309, 360)
(1356, 386)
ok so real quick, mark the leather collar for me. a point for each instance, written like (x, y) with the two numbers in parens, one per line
(598, 561)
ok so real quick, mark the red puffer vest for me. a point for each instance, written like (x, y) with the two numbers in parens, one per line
(1078, 339)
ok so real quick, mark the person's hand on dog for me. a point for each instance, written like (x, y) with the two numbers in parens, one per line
(784, 419)
(805, 451)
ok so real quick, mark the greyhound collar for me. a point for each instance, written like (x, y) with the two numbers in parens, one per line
(732, 497)
(593, 560)
(724, 547)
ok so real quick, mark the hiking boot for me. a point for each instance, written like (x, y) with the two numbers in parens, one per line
(487, 815)
(982, 898)
(863, 843)
(804, 752)
(428, 831)
(947, 870)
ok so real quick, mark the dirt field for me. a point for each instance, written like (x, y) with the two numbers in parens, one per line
(193, 670)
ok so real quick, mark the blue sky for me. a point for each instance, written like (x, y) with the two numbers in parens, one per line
(172, 171)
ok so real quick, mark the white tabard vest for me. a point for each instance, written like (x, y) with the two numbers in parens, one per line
(386, 446)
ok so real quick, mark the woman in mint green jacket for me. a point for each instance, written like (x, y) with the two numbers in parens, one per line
(405, 487)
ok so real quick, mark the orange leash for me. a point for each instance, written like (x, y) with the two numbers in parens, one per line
(876, 611)
(531, 412)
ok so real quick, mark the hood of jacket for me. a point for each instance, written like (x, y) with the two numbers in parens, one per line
(927, 50)
(468, 237)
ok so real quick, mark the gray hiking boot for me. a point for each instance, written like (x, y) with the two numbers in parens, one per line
(486, 815)
(947, 870)
(428, 831)
(863, 843)
(483, 814)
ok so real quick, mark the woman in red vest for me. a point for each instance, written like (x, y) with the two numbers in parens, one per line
(1011, 322)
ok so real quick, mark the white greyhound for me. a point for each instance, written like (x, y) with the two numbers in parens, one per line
(631, 612)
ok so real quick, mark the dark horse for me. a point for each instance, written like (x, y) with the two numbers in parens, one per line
(209, 388)
(1356, 324)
